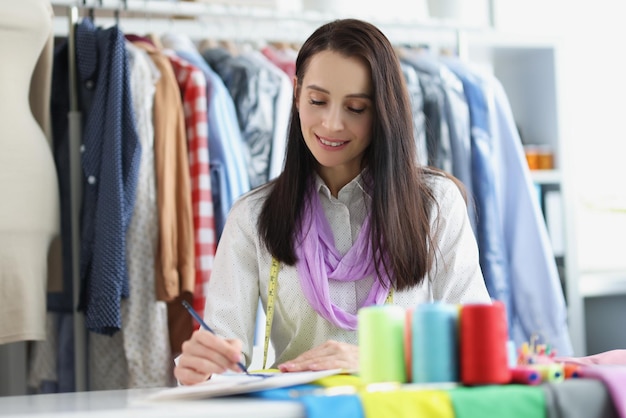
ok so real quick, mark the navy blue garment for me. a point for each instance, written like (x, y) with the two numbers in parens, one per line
(111, 154)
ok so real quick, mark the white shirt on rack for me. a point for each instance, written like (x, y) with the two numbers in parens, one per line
(242, 270)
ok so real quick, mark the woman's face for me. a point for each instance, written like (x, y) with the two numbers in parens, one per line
(336, 110)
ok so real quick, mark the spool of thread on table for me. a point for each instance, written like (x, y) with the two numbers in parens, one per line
(381, 344)
(525, 375)
(483, 352)
(551, 372)
(435, 343)
(571, 370)
(511, 353)
(408, 344)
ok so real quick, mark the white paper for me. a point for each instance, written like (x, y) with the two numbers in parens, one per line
(239, 383)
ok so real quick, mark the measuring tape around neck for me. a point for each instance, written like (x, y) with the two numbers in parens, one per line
(271, 295)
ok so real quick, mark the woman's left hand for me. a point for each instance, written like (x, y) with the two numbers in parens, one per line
(330, 355)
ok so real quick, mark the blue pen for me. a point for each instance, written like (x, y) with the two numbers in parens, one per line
(205, 326)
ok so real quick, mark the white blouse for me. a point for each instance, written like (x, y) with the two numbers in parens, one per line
(242, 270)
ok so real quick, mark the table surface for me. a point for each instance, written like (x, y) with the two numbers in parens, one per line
(585, 398)
(133, 403)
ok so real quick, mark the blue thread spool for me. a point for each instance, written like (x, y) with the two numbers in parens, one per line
(435, 343)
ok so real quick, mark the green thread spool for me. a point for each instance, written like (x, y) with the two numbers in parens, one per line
(381, 344)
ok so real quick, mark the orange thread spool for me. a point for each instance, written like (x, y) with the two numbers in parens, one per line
(408, 346)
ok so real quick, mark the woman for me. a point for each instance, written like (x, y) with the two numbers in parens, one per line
(351, 190)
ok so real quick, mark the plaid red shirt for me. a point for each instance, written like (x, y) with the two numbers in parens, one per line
(193, 87)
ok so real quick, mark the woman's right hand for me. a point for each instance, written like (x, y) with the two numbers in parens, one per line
(204, 354)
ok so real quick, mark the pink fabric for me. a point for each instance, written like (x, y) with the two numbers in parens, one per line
(286, 64)
(614, 378)
(610, 368)
(607, 357)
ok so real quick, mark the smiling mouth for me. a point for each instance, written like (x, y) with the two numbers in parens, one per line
(331, 143)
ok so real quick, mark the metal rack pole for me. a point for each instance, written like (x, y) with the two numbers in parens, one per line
(75, 140)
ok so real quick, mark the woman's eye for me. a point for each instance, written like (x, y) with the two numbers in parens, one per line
(316, 102)
(356, 110)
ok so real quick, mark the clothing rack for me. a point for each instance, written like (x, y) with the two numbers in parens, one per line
(202, 20)
(199, 21)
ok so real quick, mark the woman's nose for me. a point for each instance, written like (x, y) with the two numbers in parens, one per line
(333, 120)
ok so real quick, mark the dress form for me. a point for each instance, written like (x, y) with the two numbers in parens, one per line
(29, 212)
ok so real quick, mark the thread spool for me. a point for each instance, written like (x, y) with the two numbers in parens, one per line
(525, 375)
(435, 343)
(571, 370)
(483, 352)
(511, 353)
(552, 372)
(381, 344)
(408, 344)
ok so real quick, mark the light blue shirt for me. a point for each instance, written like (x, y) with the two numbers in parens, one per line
(491, 240)
(536, 287)
(517, 251)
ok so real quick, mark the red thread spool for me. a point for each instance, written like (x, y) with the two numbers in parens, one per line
(525, 375)
(483, 350)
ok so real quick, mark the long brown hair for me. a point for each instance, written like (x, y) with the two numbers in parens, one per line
(401, 197)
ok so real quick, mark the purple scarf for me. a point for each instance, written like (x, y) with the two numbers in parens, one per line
(319, 261)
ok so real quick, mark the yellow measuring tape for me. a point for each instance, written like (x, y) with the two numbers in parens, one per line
(269, 314)
(271, 294)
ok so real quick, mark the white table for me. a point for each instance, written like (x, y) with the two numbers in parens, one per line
(574, 397)
(132, 403)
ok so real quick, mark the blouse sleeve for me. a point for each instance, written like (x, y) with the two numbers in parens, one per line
(233, 291)
(456, 276)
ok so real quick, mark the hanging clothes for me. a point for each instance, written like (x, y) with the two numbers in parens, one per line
(227, 150)
(145, 328)
(110, 160)
(515, 252)
(538, 300)
(282, 107)
(254, 91)
(456, 114)
(436, 126)
(281, 59)
(491, 241)
(192, 84)
(416, 98)
(175, 258)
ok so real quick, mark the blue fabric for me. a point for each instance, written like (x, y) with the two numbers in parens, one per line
(537, 291)
(317, 405)
(491, 241)
(228, 154)
(110, 160)
(515, 251)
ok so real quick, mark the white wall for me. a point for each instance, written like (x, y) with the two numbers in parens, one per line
(591, 76)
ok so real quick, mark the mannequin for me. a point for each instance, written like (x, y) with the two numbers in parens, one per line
(29, 212)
